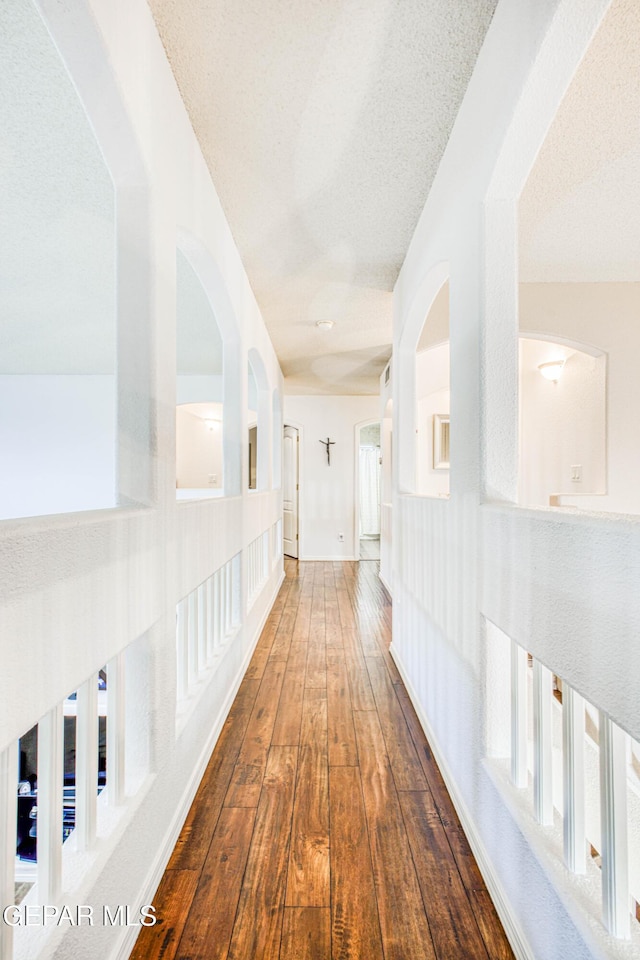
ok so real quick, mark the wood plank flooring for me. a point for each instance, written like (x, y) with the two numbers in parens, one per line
(322, 829)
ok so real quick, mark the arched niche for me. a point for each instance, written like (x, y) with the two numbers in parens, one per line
(433, 400)
(258, 421)
(405, 373)
(214, 301)
(200, 413)
(577, 251)
(59, 349)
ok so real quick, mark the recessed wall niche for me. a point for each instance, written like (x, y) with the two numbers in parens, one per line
(199, 390)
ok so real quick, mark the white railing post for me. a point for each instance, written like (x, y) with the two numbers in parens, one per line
(573, 733)
(49, 803)
(192, 601)
(236, 575)
(217, 610)
(210, 619)
(182, 651)
(9, 772)
(613, 814)
(202, 625)
(542, 743)
(115, 730)
(86, 762)
(519, 773)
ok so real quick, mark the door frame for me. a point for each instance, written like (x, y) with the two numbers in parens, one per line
(356, 473)
(288, 422)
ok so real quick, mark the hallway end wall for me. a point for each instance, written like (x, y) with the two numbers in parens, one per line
(327, 492)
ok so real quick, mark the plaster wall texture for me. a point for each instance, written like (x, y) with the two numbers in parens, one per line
(559, 584)
(327, 493)
(78, 589)
(58, 436)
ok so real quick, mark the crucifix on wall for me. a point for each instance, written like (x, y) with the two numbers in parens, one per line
(328, 444)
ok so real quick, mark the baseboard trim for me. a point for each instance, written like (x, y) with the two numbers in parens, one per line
(511, 925)
(383, 581)
(123, 948)
(328, 559)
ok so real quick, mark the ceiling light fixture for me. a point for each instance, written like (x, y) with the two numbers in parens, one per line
(552, 369)
(324, 324)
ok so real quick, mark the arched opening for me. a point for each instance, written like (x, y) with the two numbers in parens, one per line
(433, 400)
(58, 337)
(579, 273)
(258, 417)
(199, 389)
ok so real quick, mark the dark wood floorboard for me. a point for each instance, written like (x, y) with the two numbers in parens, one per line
(322, 828)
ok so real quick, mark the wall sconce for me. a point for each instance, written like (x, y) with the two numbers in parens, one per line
(552, 369)
(211, 424)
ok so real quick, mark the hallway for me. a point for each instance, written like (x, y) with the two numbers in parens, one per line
(322, 827)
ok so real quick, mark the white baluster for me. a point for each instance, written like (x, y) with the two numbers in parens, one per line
(202, 625)
(49, 824)
(518, 715)
(8, 818)
(182, 650)
(210, 618)
(217, 605)
(192, 601)
(542, 743)
(86, 763)
(228, 600)
(613, 816)
(575, 842)
(115, 730)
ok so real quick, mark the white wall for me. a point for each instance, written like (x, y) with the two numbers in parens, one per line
(79, 590)
(198, 452)
(327, 493)
(604, 315)
(559, 583)
(58, 442)
(562, 425)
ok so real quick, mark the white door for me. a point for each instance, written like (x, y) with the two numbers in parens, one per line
(290, 491)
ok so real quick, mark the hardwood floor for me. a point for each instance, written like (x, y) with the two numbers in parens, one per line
(322, 829)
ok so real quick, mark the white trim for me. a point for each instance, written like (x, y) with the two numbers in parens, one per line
(385, 584)
(297, 425)
(509, 921)
(123, 946)
(328, 559)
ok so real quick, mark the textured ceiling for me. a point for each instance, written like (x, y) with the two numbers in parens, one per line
(323, 123)
(580, 209)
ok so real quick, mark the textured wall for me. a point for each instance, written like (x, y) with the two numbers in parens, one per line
(560, 585)
(77, 589)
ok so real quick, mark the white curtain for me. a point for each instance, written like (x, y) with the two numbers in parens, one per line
(369, 491)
